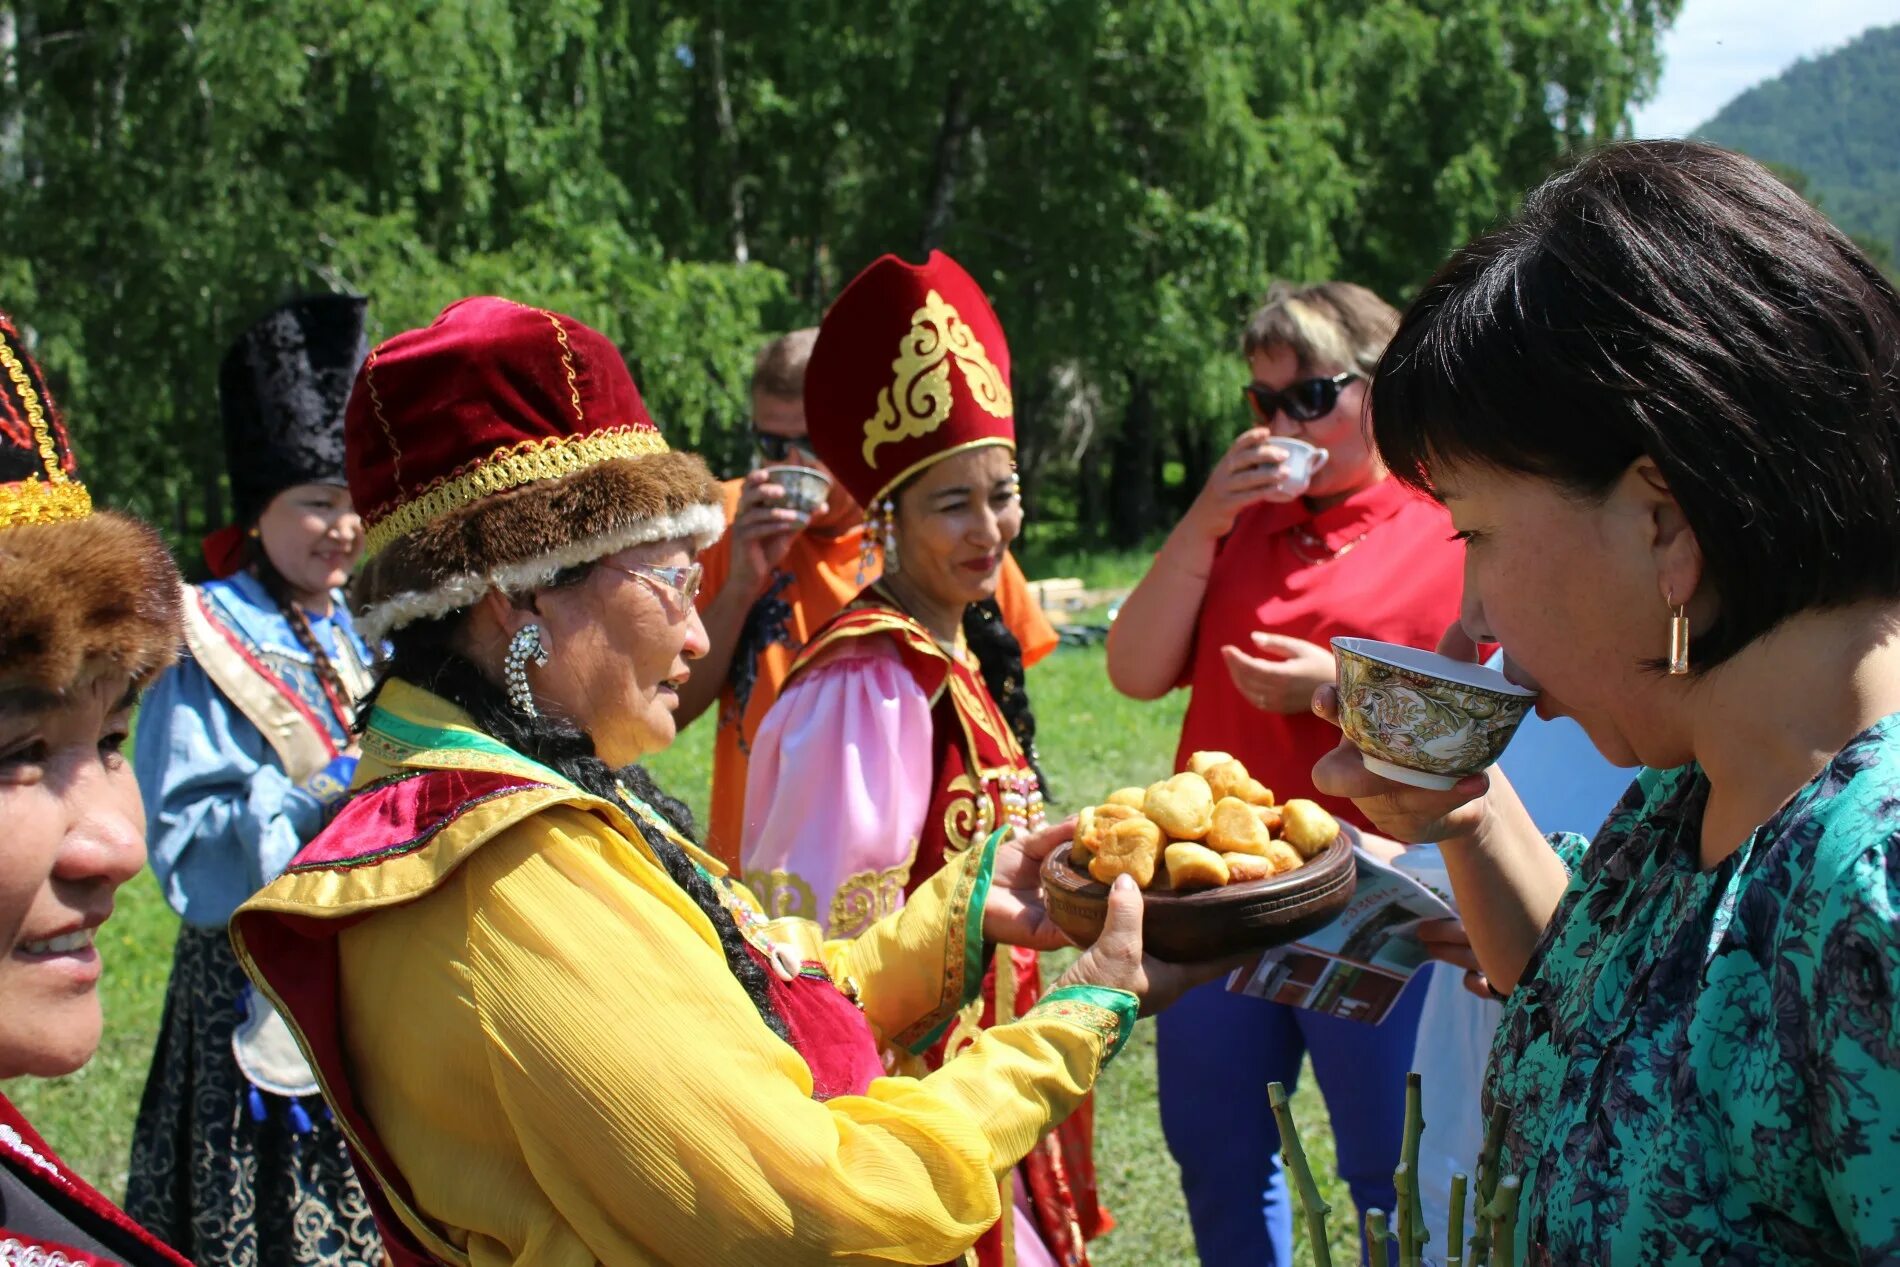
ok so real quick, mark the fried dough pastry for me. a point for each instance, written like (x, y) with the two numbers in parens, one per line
(1192, 866)
(1307, 827)
(1201, 762)
(1092, 825)
(1237, 828)
(1132, 797)
(1131, 846)
(1242, 867)
(1182, 806)
(1271, 816)
(1283, 857)
(1222, 779)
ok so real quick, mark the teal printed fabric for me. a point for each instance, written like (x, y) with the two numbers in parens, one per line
(1704, 1066)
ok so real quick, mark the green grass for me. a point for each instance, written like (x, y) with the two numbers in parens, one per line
(1092, 740)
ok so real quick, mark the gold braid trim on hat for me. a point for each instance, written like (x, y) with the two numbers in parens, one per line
(39, 502)
(918, 401)
(510, 467)
(30, 501)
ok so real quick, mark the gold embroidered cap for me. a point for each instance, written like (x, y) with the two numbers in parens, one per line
(497, 446)
(910, 367)
(38, 479)
(78, 589)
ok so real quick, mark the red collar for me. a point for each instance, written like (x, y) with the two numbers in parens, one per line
(1348, 521)
(22, 1146)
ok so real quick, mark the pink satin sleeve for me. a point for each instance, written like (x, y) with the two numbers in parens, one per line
(839, 784)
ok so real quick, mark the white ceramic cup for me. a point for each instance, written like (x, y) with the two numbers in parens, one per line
(1303, 461)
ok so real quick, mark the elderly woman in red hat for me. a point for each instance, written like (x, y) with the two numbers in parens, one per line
(927, 441)
(553, 1028)
(89, 612)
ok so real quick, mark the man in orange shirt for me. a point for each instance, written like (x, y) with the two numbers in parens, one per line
(775, 577)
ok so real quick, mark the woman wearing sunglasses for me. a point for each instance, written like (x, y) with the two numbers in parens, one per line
(1239, 607)
(553, 1028)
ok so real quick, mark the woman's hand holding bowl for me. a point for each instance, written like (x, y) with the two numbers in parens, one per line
(1412, 815)
(1015, 916)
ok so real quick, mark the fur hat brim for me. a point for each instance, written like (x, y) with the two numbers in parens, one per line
(85, 594)
(521, 538)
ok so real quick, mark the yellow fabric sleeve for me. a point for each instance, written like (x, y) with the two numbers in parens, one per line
(564, 1070)
(912, 970)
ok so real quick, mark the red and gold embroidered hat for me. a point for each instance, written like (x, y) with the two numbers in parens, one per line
(909, 368)
(498, 446)
(78, 587)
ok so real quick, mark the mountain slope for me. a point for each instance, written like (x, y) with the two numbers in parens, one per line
(1835, 118)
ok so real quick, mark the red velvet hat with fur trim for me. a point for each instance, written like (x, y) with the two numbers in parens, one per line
(909, 368)
(80, 590)
(498, 446)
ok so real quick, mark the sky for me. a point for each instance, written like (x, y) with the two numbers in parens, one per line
(1717, 48)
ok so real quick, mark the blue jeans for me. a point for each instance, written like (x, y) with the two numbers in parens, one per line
(1216, 1053)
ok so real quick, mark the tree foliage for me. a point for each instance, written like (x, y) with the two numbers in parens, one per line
(1831, 118)
(1124, 178)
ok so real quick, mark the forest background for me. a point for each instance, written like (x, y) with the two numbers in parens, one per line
(1124, 178)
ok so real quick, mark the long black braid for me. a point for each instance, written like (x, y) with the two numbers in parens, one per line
(422, 654)
(278, 588)
(1001, 658)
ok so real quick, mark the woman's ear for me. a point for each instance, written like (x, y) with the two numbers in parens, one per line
(1676, 553)
(492, 624)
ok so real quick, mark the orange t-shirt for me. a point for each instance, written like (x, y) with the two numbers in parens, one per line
(816, 578)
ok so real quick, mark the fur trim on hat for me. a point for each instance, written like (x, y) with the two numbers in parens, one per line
(520, 539)
(102, 588)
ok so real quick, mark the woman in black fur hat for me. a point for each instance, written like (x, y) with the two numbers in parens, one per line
(242, 752)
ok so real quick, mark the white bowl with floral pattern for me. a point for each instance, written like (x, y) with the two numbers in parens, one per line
(1421, 718)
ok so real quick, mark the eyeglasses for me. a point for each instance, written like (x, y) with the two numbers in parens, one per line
(777, 448)
(1308, 400)
(680, 582)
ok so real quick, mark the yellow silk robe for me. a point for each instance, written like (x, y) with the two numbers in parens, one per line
(542, 1028)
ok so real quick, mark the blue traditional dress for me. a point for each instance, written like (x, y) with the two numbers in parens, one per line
(234, 1157)
(1703, 1066)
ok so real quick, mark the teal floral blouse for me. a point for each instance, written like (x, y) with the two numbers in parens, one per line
(1704, 1066)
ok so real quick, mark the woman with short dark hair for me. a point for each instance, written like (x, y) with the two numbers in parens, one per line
(1663, 408)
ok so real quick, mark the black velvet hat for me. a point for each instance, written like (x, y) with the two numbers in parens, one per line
(282, 388)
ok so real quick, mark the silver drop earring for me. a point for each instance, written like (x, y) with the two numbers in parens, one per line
(525, 646)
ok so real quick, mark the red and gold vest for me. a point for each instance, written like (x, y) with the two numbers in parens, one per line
(982, 780)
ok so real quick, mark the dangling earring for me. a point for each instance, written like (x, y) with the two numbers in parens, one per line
(890, 539)
(880, 532)
(526, 646)
(1678, 639)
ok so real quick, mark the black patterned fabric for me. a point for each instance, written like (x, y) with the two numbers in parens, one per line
(212, 1176)
(281, 389)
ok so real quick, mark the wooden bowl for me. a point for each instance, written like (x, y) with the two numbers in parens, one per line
(1211, 923)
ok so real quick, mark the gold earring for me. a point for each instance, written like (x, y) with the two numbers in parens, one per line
(1678, 639)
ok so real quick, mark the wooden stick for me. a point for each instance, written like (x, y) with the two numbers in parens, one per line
(1413, 1234)
(1312, 1205)
(1402, 1187)
(1502, 1214)
(1455, 1234)
(1488, 1158)
(1376, 1238)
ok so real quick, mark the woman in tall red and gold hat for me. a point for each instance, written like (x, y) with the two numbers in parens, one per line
(552, 1026)
(887, 758)
(88, 613)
